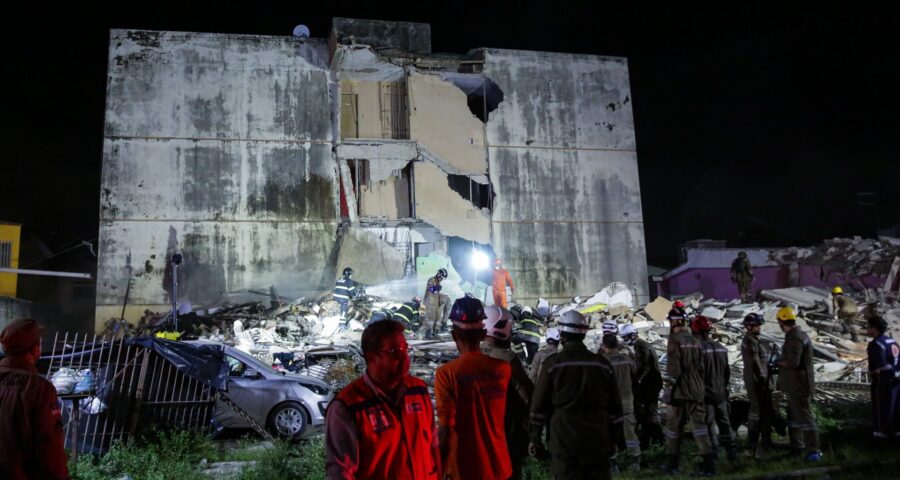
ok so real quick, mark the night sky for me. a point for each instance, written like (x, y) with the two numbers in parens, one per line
(754, 125)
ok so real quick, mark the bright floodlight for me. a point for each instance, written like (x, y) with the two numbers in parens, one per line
(480, 261)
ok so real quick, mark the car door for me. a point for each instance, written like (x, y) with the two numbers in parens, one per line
(242, 391)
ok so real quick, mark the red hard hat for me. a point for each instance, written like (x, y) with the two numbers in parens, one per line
(678, 304)
(700, 324)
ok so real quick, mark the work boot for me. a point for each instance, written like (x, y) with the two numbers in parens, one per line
(427, 334)
(634, 465)
(671, 465)
(614, 467)
(731, 453)
(708, 466)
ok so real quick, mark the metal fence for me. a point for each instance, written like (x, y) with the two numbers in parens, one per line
(118, 389)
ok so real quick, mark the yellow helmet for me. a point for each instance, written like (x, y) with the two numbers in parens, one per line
(786, 314)
(837, 291)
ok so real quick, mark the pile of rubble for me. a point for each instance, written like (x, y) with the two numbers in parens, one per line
(310, 337)
(855, 256)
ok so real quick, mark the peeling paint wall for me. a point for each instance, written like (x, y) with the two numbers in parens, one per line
(567, 215)
(440, 119)
(217, 146)
(445, 209)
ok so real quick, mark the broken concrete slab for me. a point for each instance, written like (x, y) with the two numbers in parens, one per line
(658, 309)
(440, 119)
(713, 313)
(804, 297)
(447, 210)
(373, 260)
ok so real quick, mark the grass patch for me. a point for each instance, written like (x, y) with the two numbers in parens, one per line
(285, 460)
(156, 456)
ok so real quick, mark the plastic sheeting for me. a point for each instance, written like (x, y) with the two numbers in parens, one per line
(204, 363)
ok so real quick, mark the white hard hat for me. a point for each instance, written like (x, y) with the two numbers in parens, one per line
(609, 327)
(497, 323)
(627, 329)
(573, 322)
(553, 334)
(527, 310)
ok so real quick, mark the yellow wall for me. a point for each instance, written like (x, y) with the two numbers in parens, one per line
(369, 105)
(440, 119)
(10, 233)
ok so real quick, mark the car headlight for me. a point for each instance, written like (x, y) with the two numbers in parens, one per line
(317, 389)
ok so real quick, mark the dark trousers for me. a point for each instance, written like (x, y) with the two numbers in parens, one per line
(885, 405)
(719, 415)
(680, 413)
(762, 412)
(802, 423)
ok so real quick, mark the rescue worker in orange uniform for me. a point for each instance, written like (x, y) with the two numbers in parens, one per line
(470, 393)
(381, 426)
(499, 280)
(31, 433)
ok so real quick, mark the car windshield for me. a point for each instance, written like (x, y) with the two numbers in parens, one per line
(254, 362)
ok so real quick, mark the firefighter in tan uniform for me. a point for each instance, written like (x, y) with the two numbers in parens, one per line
(626, 379)
(796, 379)
(685, 371)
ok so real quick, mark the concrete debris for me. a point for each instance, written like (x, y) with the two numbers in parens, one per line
(713, 313)
(658, 309)
(311, 337)
(848, 257)
(615, 294)
(804, 297)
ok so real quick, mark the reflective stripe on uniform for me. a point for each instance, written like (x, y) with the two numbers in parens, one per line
(579, 364)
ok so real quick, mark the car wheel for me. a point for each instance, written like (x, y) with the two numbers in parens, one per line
(288, 420)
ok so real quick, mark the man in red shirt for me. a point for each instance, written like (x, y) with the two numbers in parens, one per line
(31, 434)
(471, 402)
(381, 426)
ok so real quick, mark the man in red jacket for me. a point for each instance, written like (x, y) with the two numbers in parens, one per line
(31, 434)
(381, 426)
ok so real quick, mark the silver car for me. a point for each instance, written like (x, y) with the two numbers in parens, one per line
(288, 405)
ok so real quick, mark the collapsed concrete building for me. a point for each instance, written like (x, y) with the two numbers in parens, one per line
(278, 161)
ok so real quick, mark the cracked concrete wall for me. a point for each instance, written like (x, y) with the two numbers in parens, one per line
(218, 146)
(567, 215)
(440, 119)
(374, 261)
(440, 206)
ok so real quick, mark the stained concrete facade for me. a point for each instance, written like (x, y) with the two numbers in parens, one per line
(563, 162)
(219, 147)
(245, 153)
